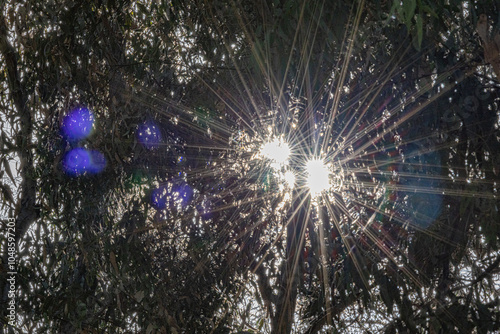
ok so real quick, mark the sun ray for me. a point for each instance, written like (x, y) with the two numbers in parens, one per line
(275, 150)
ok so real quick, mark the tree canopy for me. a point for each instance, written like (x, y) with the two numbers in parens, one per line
(237, 166)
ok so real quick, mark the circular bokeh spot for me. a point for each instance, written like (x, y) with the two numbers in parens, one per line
(159, 198)
(78, 124)
(171, 196)
(80, 160)
(183, 194)
(149, 135)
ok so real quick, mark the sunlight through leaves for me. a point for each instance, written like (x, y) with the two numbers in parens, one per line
(277, 151)
(317, 176)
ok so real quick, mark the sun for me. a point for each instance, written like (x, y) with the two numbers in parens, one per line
(317, 176)
(277, 151)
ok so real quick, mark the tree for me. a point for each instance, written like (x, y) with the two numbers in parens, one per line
(147, 203)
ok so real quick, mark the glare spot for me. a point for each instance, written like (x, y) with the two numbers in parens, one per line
(277, 151)
(78, 124)
(317, 176)
(289, 178)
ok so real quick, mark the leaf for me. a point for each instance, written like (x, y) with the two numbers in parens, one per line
(420, 31)
(139, 296)
(395, 5)
(409, 7)
(112, 258)
(430, 11)
(261, 324)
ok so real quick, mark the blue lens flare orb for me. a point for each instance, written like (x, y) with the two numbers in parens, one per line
(79, 161)
(159, 198)
(183, 194)
(149, 135)
(78, 124)
(171, 196)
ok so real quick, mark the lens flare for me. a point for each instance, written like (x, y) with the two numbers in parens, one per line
(80, 160)
(183, 195)
(277, 151)
(149, 135)
(159, 197)
(78, 124)
(317, 176)
(172, 196)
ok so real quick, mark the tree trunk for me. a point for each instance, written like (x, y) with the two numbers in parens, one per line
(26, 212)
(288, 284)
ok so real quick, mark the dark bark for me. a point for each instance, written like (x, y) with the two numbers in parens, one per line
(289, 280)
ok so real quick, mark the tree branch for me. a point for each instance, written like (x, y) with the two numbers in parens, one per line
(487, 271)
(25, 208)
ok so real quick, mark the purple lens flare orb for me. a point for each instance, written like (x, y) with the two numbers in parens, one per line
(160, 198)
(183, 194)
(78, 124)
(79, 161)
(149, 135)
(171, 196)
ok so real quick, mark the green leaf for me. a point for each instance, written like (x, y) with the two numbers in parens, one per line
(261, 323)
(420, 31)
(429, 10)
(395, 6)
(409, 7)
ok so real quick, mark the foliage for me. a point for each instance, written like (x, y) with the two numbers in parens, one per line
(188, 229)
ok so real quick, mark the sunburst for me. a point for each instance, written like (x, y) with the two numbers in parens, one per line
(359, 180)
(317, 176)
